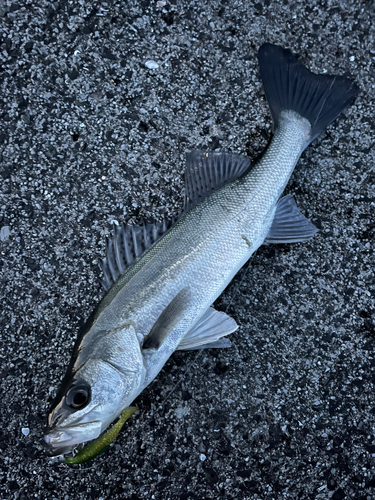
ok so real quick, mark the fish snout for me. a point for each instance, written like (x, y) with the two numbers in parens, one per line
(51, 448)
(58, 442)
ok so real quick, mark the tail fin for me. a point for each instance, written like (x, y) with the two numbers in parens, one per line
(290, 86)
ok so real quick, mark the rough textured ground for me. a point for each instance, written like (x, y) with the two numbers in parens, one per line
(89, 135)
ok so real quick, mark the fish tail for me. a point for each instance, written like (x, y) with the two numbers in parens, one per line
(288, 85)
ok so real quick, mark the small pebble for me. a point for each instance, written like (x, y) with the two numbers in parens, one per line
(4, 233)
(151, 65)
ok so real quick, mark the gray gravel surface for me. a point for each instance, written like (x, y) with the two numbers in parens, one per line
(100, 103)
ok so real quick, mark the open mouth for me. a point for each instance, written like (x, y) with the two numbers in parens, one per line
(59, 442)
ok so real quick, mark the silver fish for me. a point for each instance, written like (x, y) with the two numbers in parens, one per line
(162, 278)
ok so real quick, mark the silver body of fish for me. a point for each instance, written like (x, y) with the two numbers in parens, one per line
(161, 302)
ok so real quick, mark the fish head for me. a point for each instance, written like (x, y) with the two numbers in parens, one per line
(88, 402)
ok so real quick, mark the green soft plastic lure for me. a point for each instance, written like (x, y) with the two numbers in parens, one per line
(96, 447)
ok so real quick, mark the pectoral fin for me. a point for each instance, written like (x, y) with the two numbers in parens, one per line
(222, 343)
(289, 225)
(208, 332)
(168, 320)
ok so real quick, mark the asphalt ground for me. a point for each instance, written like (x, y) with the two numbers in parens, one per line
(91, 132)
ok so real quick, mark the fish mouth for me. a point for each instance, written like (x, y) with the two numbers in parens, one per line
(59, 442)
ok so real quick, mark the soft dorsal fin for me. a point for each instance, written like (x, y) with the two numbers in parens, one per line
(127, 244)
(168, 320)
(207, 171)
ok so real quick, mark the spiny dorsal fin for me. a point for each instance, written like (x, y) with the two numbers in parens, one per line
(208, 171)
(127, 244)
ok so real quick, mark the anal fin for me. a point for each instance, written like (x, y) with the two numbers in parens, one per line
(208, 332)
(289, 225)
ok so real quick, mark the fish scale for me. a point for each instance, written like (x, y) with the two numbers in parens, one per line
(161, 301)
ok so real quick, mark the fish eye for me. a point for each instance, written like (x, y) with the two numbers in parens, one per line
(78, 396)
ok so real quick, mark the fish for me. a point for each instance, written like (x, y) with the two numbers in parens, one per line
(161, 278)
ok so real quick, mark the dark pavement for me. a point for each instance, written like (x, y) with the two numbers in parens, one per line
(99, 105)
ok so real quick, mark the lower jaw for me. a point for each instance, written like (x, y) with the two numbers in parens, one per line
(54, 451)
(55, 443)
